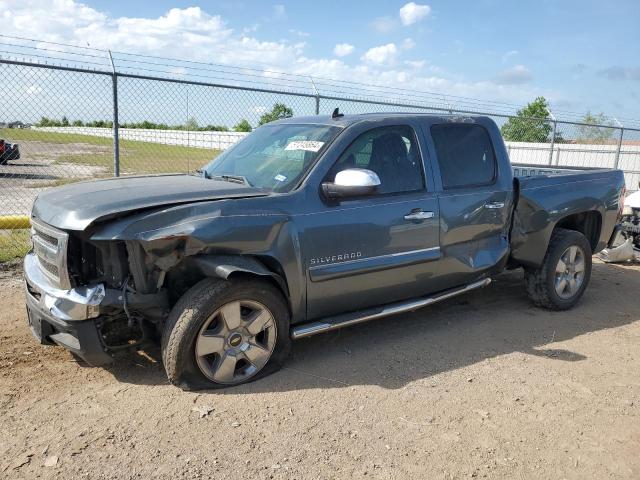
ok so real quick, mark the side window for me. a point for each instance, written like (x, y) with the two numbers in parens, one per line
(390, 152)
(465, 155)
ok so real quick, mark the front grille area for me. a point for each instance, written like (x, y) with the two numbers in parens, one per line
(50, 246)
(52, 241)
(84, 261)
(49, 267)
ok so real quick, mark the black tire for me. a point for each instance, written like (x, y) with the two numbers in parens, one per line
(540, 283)
(196, 306)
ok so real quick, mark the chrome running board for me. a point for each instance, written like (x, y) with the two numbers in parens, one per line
(346, 319)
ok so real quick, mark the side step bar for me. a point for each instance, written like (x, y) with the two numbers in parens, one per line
(346, 319)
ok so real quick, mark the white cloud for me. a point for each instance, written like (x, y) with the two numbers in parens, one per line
(33, 90)
(617, 72)
(343, 49)
(384, 54)
(300, 33)
(509, 54)
(417, 64)
(194, 34)
(408, 44)
(384, 24)
(189, 33)
(251, 29)
(517, 74)
(279, 11)
(412, 13)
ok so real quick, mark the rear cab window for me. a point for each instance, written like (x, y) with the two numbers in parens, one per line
(465, 155)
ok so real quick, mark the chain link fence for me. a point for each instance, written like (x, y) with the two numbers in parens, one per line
(61, 124)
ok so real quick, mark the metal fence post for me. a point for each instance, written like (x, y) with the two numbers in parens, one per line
(317, 95)
(553, 136)
(116, 139)
(186, 122)
(617, 161)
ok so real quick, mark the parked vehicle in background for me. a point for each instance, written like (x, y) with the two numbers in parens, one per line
(8, 151)
(630, 224)
(307, 225)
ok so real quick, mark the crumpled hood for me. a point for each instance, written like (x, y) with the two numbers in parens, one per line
(76, 206)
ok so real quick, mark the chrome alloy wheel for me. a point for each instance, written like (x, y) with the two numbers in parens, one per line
(236, 342)
(570, 272)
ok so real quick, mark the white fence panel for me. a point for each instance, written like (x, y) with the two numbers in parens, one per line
(208, 139)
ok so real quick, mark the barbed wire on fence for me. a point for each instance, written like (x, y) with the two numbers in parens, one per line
(268, 76)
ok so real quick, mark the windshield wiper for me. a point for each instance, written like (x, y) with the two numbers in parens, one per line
(231, 178)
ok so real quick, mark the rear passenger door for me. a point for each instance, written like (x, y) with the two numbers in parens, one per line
(475, 199)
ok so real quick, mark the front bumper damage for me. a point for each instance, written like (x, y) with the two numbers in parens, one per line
(69, 318)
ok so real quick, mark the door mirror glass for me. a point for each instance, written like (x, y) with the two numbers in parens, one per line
(352, 182)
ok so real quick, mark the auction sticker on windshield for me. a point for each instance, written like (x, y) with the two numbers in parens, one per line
(306, 145)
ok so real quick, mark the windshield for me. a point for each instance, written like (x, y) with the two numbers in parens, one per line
(274, 157)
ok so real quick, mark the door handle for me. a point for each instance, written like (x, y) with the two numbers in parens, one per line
(419, 215)
(494, 205)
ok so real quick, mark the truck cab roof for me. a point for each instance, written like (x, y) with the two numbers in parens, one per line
(347, 120)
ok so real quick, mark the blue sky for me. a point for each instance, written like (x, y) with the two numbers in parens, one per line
(582, 55)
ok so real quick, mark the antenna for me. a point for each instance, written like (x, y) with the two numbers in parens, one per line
(336, 114)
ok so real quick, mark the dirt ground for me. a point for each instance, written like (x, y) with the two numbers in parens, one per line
(482, 386)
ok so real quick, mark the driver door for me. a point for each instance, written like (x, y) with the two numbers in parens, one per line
(363, 252)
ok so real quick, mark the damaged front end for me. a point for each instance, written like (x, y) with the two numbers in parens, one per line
(111, 287)
(93, 298)
(103, 276)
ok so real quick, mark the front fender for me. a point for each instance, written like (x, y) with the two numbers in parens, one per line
(223, 266)
(257, 233)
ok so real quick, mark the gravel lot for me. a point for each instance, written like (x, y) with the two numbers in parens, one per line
(41, 165)
(482, 386)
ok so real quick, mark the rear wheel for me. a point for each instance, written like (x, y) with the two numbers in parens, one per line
(223, 333)
(565, 272)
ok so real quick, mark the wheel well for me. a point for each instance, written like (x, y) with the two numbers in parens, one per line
(588, 223)
(188, 273)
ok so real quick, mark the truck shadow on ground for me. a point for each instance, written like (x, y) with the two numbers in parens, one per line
(393, 352)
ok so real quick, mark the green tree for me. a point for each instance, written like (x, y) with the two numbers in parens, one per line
(65, 121)
(215, 128)
(78, 123)
(279, 110)
(599, 130)
(531, 123)
(242, 126)
(192, 124)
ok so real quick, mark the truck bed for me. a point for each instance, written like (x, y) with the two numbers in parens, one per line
(549, 196)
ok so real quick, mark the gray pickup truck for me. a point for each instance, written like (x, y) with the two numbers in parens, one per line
(307, 225)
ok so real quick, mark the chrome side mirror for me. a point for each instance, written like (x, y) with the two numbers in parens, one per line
(352, 182)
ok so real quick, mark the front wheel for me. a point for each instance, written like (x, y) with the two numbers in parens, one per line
(223, 333)
(565, 272)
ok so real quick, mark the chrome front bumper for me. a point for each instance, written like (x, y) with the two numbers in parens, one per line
(69, 318)
(79, 303)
